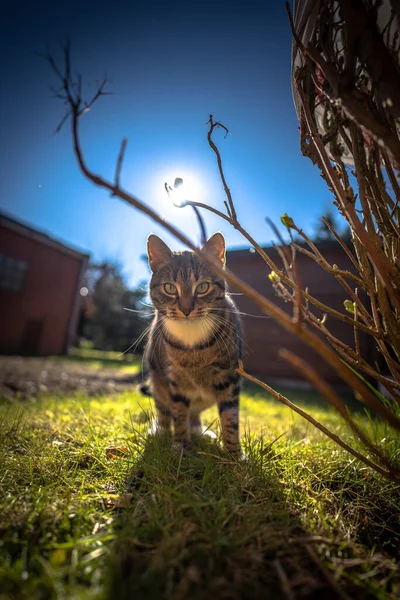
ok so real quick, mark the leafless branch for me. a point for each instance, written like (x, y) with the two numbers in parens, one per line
(120, 161)
(215, 124)
(314, 422)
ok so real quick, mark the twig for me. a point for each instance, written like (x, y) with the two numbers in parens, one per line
(326, 391)
(356, 336)
(230, 208)
(120, 161)
(201, 225)
(341, 242)
(383, 268)
(316, 423)
(298, 316)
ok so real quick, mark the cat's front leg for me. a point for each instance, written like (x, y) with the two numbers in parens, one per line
(227, 393)
(160, 393)
(180, 410)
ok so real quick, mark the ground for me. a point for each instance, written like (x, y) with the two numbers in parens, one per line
(91, 506)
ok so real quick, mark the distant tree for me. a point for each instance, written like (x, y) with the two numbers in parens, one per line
(322, 232)
(106, 322)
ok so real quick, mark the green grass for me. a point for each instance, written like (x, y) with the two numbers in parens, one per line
(97, 359)
(299, 518)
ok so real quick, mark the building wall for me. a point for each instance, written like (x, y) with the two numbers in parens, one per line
(35, 320)
(264, 337)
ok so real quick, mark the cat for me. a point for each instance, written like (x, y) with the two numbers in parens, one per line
(194, 344)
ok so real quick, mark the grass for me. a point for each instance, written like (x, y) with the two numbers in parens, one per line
(92, 507)
(97, 359)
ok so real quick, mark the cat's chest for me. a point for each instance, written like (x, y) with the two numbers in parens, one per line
(189, 332)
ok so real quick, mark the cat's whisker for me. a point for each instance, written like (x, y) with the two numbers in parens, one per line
(237, 312)
(143, 312)
(217, 333)
(136, 342)
(232, 328)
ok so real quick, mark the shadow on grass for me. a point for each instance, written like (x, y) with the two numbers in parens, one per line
(199, 524)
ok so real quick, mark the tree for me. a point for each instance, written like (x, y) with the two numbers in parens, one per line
(107, 323)
(323, 232)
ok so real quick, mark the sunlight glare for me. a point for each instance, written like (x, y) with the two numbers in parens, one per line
(188, 188)
(171, 207)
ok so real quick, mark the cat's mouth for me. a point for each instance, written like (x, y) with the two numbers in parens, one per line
(185, 318)
(180, 316)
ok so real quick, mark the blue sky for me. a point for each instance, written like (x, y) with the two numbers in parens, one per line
(171, 65)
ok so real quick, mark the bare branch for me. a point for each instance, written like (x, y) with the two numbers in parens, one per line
(120, 161)
(314, 422)
(230, 208)
(321, 385)
(201, 225)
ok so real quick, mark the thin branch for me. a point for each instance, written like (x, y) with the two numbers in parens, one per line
(356, 336)
(213, 125)
(341, 242)
(201, 225)
(316, 423)
(298, 290)
(281, 274)
(383, 268)
(120, 161)
(326, 391)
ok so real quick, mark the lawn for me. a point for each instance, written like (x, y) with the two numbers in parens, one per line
(93, 507)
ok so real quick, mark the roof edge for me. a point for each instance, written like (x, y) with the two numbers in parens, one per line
(26, 230)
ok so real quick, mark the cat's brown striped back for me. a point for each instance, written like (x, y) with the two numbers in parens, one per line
(195, 342)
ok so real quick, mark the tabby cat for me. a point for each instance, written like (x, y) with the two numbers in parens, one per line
(194, 344)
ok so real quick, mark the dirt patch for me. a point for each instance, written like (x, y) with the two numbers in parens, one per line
(24, 378)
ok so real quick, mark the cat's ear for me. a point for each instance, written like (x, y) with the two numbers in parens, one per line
(158, 252)
(216, 246)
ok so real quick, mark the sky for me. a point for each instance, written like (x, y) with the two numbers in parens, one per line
(170, 65)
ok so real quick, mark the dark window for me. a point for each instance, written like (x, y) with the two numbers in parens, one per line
(12, 273)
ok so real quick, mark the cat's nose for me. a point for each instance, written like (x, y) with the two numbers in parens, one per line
(186, 305)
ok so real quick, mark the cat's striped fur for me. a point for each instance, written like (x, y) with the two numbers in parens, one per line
(194, 344)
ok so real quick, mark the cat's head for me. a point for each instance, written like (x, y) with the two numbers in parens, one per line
(182, 286)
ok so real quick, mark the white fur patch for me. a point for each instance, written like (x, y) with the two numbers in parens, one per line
(190, 332)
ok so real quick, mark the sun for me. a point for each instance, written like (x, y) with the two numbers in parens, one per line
(189, 187)
(192, 187)
(172, 208)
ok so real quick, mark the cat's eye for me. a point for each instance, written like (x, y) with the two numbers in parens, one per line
(170, 288)
(203, 287)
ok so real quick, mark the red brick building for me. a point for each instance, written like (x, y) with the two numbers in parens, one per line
(40, 280)
(264, 337)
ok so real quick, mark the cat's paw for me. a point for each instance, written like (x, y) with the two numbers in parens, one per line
(204, 433)
(208, 434)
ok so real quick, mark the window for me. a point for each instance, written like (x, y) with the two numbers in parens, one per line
(12, 273)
